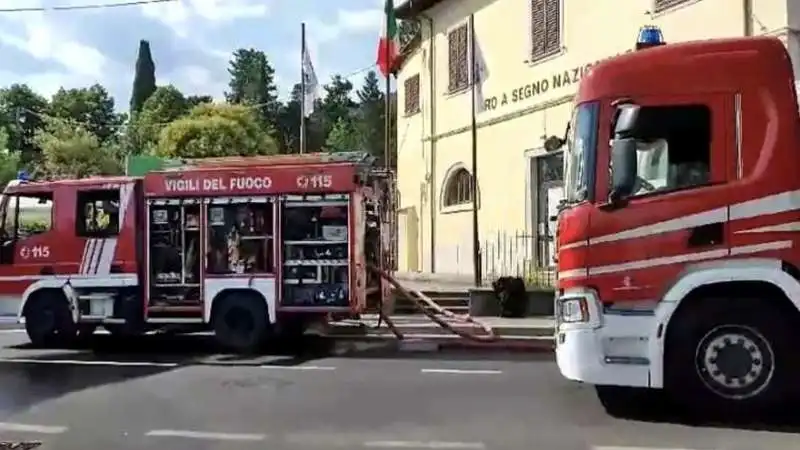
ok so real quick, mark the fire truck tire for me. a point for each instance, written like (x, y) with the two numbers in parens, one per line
(48, 320)
(632, 403)
(240, 322)
(730, 361)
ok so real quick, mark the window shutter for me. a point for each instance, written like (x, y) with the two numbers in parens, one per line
(452, 61)
(552, 35)
(538, 29)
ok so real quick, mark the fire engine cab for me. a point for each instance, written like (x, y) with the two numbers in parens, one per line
(677, 266)
(250, 247)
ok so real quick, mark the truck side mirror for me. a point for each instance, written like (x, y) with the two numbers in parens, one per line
(623, 168)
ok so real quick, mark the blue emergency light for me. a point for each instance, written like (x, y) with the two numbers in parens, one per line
(649, 36)
(22, 175)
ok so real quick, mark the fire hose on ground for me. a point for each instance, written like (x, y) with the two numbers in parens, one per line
(433, 311)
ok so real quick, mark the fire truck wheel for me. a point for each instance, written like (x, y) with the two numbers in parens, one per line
(48, 320)
(731, 362)
(240, 322)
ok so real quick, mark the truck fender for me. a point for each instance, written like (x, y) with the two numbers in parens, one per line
(755, 269)
(51, 283)
(216, 289)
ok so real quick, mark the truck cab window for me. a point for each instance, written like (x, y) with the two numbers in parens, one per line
(673, 148)
(27, 215)
(98, 213)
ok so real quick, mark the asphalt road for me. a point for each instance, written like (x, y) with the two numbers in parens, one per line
(162, 392)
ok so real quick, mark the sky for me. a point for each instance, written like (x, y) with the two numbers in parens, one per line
(191, 42)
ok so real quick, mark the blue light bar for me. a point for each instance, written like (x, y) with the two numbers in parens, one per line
(23, 175)
(649, 36)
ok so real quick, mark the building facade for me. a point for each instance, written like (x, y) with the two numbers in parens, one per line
(533, 53)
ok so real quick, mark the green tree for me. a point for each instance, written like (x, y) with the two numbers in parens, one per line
(194, 100)
(9, 161)
(92, 107)
(165, 105)
(371, 116)
(21, 111)
(144, 81)
(252, 82)
(344, 137)
(71, 151)
(216, 130)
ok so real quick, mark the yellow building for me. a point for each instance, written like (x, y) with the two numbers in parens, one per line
(534, 53)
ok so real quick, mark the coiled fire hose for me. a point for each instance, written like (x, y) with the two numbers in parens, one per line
(433, 312)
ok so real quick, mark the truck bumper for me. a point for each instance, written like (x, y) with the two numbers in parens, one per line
(606, 349)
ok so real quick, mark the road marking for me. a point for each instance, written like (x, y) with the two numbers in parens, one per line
(267, 366)
(78, 362)
(29, 428)
(426, 444)
(206, 435)
(463, 371)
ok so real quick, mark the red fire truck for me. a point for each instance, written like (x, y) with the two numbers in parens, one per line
(677, 266)
(250, 247)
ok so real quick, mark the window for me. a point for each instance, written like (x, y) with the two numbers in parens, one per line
(458, 190)
(98, 213)
(673, 148)
(457, 58)
(28, 214)
(579, 153)
(240, 238)
(411, 88)
(662, 5)
(545, 28)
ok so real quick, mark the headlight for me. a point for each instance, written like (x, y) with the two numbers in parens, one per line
(573, 310)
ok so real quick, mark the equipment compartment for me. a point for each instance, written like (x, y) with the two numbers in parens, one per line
(316, 251)
(174, 252)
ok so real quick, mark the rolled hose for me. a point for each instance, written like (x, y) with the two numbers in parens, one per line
(420, 301)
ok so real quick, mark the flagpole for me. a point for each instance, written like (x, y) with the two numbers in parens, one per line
(476, 249)
(302, 88)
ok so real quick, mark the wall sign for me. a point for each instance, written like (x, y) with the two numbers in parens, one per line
(549, 83)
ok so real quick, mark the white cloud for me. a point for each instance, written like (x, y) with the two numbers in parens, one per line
(45, 41)
(345, 22)
(180, 16)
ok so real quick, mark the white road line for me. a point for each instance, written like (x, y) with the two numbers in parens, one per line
(29, 428)
(267, 366)
(211, 435)
(426, 444)
(78, 362)
(463, 371)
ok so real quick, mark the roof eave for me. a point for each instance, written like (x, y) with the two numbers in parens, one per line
(413, 8)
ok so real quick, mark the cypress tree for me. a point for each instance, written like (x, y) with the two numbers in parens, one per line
(144, 81)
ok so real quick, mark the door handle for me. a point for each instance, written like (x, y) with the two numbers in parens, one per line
(707, 235)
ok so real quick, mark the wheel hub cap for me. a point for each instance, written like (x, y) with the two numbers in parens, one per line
(735, 361)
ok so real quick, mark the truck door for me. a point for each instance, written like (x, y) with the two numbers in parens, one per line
(675, 214)
(26, 249)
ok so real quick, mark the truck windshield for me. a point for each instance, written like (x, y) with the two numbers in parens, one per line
(579, 154)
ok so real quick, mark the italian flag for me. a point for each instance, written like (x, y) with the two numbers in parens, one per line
(389, 46)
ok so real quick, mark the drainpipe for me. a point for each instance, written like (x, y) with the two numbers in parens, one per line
(432, 197)
(747, 23)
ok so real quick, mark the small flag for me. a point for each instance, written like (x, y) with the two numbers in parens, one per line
(388, 46)
(310, 85)
(480, 71)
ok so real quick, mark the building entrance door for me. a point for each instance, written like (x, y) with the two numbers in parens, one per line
(550, 191)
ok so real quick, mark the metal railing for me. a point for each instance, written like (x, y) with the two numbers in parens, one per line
(516, 254)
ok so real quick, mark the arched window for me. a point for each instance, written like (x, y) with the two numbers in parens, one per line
(458, 189)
